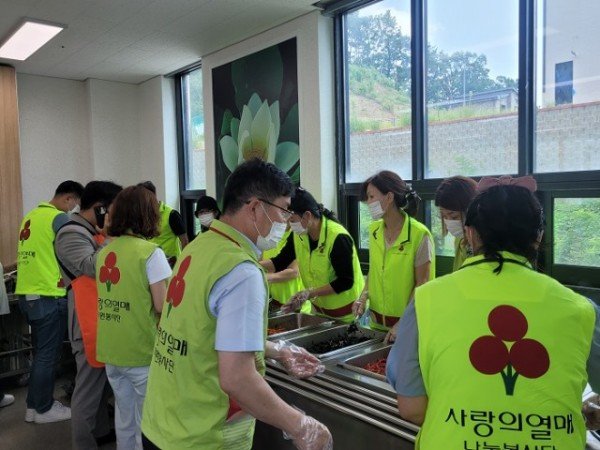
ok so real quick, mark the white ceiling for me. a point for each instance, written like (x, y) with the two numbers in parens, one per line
(132, 41)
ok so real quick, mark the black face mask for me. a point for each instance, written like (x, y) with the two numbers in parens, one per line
(100, 212)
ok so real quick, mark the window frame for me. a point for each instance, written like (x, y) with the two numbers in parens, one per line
(551, 185)
(187, 197)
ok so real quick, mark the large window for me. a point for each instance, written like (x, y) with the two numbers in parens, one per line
(192, 169)
(193, 117)
(472, 91)
(568, 91)
(576, 234)
(431, 89)
(379, 90)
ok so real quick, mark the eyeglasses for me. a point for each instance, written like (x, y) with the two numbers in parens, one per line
(285, 213)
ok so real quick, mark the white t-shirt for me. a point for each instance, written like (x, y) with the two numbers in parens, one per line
(157, 267)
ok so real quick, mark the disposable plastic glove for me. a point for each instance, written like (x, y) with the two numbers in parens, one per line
(390, 338)
(296, 301)
(312, 435)
(358, 307)
(297, 361)
(591, 412)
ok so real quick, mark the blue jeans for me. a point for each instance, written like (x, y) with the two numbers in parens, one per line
(47, 317)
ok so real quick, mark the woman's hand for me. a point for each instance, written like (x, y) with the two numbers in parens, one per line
(358, 307)
(390, 338)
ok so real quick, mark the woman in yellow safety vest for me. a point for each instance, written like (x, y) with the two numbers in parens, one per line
(401, 254)
(131, 275)
(326, 257)
(453, 197)
(496, 355)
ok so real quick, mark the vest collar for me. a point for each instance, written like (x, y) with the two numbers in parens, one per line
(235, 237)
(402, 238)
(47, 205)
(82, 221)
(508, 257)
(322, 234)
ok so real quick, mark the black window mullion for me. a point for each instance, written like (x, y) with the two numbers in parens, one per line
(526, 121)
(182, 158)
(418, 80)
(342, 113)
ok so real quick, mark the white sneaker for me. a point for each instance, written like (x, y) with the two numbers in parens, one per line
(29, 415)
(7, 400)
(57, 413)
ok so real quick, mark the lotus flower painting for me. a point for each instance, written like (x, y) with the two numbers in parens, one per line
(255, 102)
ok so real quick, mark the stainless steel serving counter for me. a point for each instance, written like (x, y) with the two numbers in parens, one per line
(359, 409)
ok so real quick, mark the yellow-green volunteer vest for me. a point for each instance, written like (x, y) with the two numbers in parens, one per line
(167, 240)
(282, 292)
(126, 317)
(391, 277)
(503, 358)
(185, 406)
(37, 268)
(460, 253)
(316, 269)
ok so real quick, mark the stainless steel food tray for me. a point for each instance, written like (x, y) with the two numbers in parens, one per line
(296, 322)
(320, 336)
(357, 363)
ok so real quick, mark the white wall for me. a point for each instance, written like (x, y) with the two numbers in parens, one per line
(114, 131)
(158, 137)
(55, 141)
(315, 99)
(96, 130)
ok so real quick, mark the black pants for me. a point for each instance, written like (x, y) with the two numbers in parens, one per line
(147, 444)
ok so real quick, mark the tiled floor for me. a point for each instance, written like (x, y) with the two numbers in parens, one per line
(16, 434)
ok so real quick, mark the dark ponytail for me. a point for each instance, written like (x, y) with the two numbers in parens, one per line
(507, 218)
(303, 201)
(405, 197)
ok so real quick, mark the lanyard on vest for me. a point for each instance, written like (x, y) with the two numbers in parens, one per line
(226, 236)
(401, 247)
(486, 260)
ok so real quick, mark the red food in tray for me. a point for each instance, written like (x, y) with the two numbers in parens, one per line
(377, 367)
(274, 330)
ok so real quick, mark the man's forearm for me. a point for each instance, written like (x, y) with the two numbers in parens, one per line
(240, 380)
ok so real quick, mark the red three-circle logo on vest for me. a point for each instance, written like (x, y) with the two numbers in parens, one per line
(25, 232)
(491, 355)
(177, 285)
(109, 272)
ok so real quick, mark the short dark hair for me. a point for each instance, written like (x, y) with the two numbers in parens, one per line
(69, 187)
(135, 210)
(207, 203)
(507, 218)
(255, 178)
(456, 193)
(148, 185)
(303, 201)
(387, 181)
(99, 191)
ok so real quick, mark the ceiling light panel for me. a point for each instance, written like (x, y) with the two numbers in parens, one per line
(28, 38)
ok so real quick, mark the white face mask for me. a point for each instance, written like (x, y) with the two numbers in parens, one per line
(206, 219)
(297, 227)
(275, 235)
(76, 209)
(455, 227)
(376, 210)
